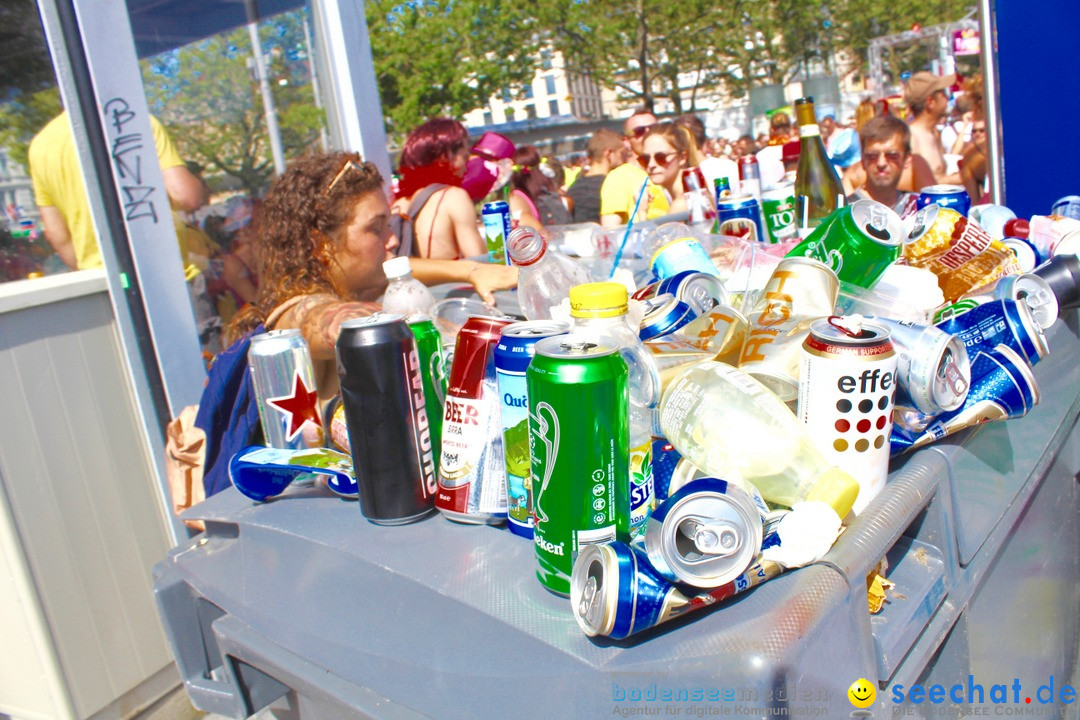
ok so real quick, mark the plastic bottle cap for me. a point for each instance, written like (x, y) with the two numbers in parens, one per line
(397, 267)
(1017, 227)
(837, 489)
(599, 300)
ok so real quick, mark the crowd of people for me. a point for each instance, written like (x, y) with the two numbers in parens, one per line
(310, 252)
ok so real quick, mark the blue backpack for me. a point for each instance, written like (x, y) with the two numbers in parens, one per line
(228, 412)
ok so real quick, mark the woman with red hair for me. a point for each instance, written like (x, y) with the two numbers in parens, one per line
(430, 195)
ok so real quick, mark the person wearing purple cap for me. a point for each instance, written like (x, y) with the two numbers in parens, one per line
(488, 168)
(927, 96)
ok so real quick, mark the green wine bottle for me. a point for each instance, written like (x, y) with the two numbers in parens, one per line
(816, 182)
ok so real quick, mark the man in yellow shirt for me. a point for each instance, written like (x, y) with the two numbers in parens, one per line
(61, 195)
(61, 198)
(620, 190)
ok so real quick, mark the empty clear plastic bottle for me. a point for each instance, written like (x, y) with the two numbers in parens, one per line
(732, 427)
(600, 310)
(545, 275)
(405, 294)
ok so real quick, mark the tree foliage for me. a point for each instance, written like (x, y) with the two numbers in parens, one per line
(23, 117)
(208, 98)
(447, 57)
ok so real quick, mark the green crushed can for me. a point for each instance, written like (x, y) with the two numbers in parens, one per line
(433, 374)
(858, 242)
(579, 442)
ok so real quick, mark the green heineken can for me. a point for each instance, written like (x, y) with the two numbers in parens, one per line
(433, 373)
(957, 308)
(579, 446)
(778, 207)
(858, 242)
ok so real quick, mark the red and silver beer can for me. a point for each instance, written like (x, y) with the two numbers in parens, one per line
(750, 176)
(472, 471)
(846, 391)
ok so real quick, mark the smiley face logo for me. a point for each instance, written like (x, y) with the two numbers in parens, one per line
(861, 693)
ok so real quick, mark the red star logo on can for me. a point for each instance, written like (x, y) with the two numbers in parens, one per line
(301, 407)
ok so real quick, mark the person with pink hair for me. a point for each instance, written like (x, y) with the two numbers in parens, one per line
(430, 195)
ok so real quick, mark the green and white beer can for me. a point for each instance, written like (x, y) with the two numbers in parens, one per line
(778, 207)
(858, 241)
(579, 442)
(433, 374)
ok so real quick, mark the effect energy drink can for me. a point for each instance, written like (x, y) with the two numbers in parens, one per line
(382, 391)
(515, 351)
(284, 383)
(472, 476)
(846, 391)
(579, 441)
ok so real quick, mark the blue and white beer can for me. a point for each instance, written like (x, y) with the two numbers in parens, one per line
(512, 355)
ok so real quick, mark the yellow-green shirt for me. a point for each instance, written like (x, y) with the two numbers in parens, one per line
(620, 190)
(54, 170)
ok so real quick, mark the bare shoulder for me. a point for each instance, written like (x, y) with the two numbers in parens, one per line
(456, 197)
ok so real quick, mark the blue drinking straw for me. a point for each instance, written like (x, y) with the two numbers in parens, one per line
(629, 225)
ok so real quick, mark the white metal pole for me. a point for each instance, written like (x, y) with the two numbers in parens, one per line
(267, 98)
(995, 161)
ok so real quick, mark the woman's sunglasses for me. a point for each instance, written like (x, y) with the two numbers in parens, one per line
(662, 158)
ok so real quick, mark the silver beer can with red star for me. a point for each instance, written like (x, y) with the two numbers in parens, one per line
(284, 383)
(382, 391)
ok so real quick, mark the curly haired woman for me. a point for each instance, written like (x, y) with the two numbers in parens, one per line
(323, 235)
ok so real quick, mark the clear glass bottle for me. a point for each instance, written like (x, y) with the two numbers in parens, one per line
(732, 427)
(545, 275)
(816, 179)
(600, 310)
(405, 294)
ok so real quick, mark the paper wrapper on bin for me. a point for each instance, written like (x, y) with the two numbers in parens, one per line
(960, 253)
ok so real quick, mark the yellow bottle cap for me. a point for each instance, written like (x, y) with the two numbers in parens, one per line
(665, 246)
(837, 489)
(598, 300)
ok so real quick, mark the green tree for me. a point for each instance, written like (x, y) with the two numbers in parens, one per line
(857, 22)
(22, 118)
(447, 57)
(208, 99)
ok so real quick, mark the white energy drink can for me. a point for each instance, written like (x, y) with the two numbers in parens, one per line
(846, 392)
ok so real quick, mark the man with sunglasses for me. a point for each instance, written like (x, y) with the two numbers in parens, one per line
(927, 96)
(886, 148)
(619, 192)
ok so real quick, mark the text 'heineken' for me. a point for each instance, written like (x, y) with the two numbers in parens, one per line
(579, 445)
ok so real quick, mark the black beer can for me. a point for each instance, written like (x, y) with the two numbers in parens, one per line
(382, 391)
